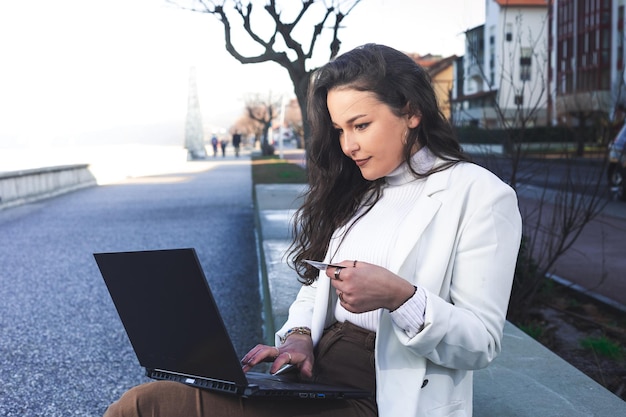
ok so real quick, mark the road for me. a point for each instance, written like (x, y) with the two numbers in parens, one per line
(595, 262)
(63, 350)
(581, 175)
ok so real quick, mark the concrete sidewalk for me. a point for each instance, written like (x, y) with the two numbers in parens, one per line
(526, 380)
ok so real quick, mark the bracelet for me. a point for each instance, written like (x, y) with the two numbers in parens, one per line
(295, 330)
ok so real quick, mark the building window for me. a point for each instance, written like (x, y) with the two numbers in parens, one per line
(519, 100)
(589, 49)
(525, 63)
(509, 32)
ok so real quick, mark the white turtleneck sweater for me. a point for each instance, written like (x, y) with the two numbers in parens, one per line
(372, 240)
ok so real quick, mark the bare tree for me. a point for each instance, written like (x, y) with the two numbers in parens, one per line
(293, 120)
(280, 46)
(247, 127)
(264, 112)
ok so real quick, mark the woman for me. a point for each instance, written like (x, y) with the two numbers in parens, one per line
(424, 245)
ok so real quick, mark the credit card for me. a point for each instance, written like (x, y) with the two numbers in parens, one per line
(321, 265)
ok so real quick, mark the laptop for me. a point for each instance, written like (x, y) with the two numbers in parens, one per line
(176, 330)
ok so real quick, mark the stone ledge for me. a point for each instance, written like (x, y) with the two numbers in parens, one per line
(24, 186)
(526, 380)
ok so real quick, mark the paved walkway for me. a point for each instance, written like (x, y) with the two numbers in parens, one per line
(63, 349)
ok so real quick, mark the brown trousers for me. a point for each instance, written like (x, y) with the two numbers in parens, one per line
(345, 356)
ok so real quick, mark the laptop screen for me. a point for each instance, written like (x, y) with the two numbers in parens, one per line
(169, 314)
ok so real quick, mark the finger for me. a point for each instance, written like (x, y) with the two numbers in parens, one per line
(331, 272)
(306, 369)
(341, 297)
(336, 284)
(259, 354)
(337, 273)
(332, 269)
(276, 351)
(270, 354)
(285, 358)
(251, 354)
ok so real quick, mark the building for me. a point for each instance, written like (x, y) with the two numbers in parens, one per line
(441, 71)
(586, 71)
(502, 79)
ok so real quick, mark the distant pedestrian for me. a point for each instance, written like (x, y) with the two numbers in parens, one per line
(214, 142)
(223, 144)
(236, 142)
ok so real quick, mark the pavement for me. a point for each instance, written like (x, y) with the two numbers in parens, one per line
(63, 349)
(527, 379)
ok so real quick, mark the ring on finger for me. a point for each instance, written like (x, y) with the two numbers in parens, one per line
(277, 352)
(337, 272)
(289, 355)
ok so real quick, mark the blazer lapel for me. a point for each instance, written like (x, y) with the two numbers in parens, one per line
(419, 218)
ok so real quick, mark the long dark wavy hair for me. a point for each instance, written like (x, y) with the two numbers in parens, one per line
(337, 190)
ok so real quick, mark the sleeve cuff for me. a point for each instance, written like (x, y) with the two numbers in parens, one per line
(410, 315)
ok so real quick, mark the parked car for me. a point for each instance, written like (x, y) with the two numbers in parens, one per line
(617, 164)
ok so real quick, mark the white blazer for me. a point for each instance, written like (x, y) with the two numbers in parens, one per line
(460, 244)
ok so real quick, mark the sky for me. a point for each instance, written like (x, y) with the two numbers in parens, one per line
(110, 71)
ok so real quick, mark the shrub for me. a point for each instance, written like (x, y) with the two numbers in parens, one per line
(603, 347)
